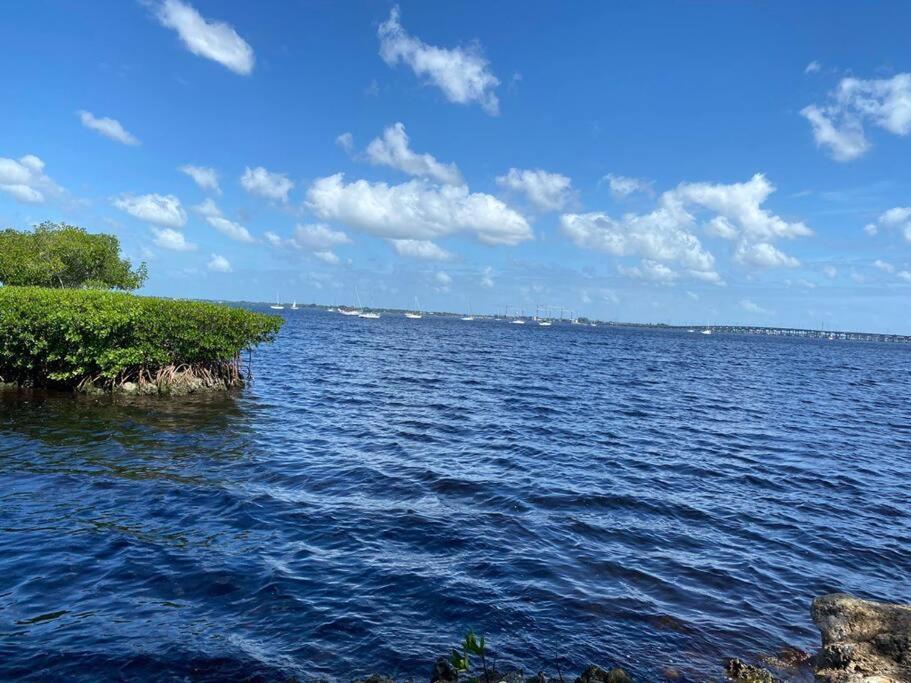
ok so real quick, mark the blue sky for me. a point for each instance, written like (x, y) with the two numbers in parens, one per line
(655, 162)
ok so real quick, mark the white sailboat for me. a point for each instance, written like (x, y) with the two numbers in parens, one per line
(707, 331)
(368, 315)
(544, 323)
(277, 305)
(352, 311)
(293, 305)
(416, 314)
(468, 317)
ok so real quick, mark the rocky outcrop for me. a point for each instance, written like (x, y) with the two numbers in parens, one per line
(862, 641)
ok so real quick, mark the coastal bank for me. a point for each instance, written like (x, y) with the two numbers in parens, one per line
(95, 341)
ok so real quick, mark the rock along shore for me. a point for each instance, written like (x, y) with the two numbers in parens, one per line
(863, 641)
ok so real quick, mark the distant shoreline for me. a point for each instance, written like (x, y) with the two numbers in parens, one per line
(792, 332)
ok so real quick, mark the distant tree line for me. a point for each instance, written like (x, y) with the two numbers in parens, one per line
(60, 255)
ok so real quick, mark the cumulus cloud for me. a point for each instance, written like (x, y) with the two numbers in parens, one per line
(649, 270)
(665, 235)
(167, 238)
(109, 128)
(318, 237)
(763, 255)
(327, 256)
(443, 280)
(830, 271)
(740, 205)
(839, 124)
(660, 236)
(898, 218)
(345, 141)
(25, 179)
(622, 186)
(215, 40)
(206, 178)
(261, 182)
(219, 264)
(884, 266)
(421, 249)
(163, 210)
(752, 307)
(546, 191)
(487, 278)
(812, 67)
(905, 275)
(463, 74)
(213, 216)
(416, 210)
(392, 150)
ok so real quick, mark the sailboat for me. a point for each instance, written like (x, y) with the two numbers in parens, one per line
(416, 314)
(277, 306)
(518, 321)
(293, 305)
(369, 315)
(707, 330)
(352, 311)
(469, 316)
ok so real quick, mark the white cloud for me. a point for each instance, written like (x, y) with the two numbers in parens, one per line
(622, 186)
(812, 67)
(416, 210)
(444, 280)
(846, 141)
(649, 270)
(422, 249)
(830, 271)
(462, 74)
(214, 217)
(164, 210)
(327, 257)
(884, 266)
(665, 234)
(905, 275)
(839, 125)
(219, 264)
(763, 255)
(109, 128)
(345, 141)
(546, 191)
(215, 40)
(206, 178)
(898, 218)
(25, 179)
(752, 307)
(318, 237)
(692, 295)
(273, 239)
(487, 278)
(658, 236)
(166, 238)
(261, 182)
(741, 205)
(393, 150)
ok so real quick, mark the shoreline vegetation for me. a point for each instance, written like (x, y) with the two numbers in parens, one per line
(63, 325)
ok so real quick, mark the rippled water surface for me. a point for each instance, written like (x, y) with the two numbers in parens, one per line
(634, 498)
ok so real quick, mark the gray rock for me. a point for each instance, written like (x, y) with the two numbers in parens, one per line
(741, 672)
(595, 674)
(443, 672)
(862, 641)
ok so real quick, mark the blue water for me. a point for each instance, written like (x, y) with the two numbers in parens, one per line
(635, 498)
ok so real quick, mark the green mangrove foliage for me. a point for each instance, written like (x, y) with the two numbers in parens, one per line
(89, 339)
(61, 255)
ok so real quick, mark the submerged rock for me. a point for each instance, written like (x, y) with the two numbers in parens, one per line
(863, 641)
(595, 674)
(443, 672)
(741, 672)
